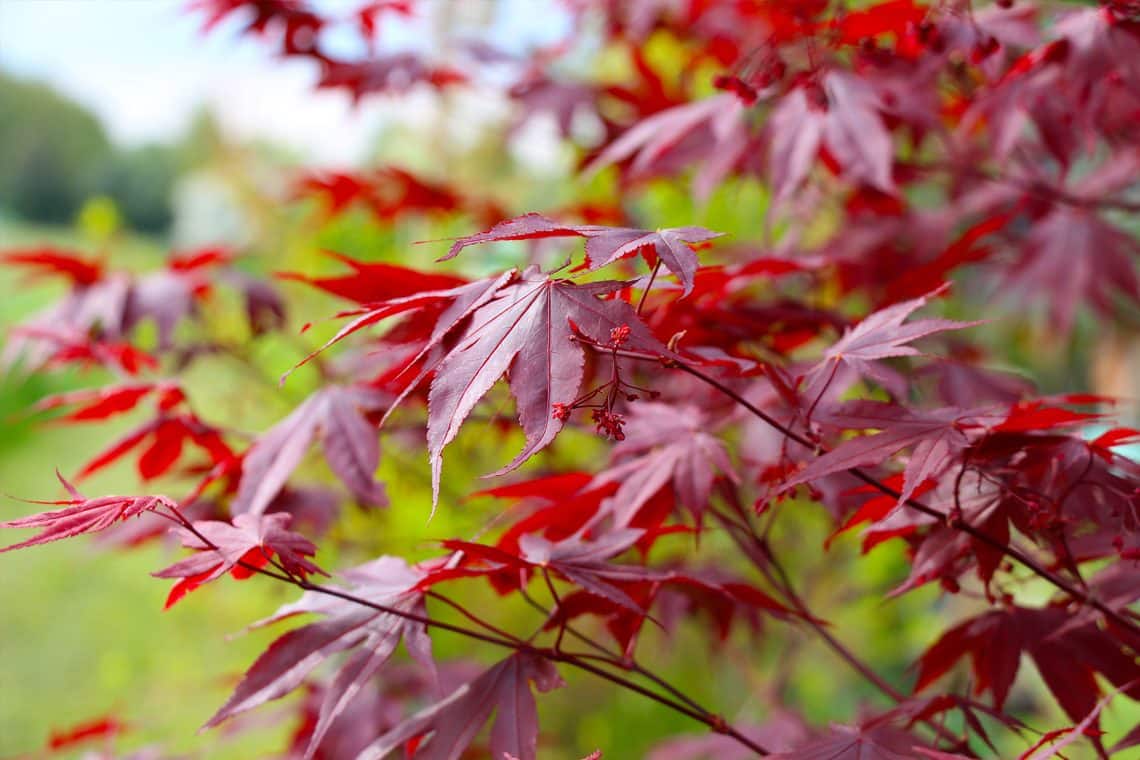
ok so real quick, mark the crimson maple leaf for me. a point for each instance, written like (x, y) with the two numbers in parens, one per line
(581, 561)
(105, 728)
(82, 515)
(1067, 655)
(52, 261)
(940, 552)
(452, 723)
(372, 282)
(100, 403)
(387, 192)
(604, 245)
(168, 434)
(250, 541)
(678, 595)
(528, 328)
(265, 13)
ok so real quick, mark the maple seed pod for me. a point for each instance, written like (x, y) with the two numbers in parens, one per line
(777, 70)
(984, 49)
(619, 335)
(737, 86)
(816, 96)
(931, 37)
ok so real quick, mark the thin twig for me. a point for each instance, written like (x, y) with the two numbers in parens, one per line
(953, 522)
(713, 721)
(774, 572)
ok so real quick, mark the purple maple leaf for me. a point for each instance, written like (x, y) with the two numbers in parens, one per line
(452, 723)
(372, 633)
(249, 539)
(1072, 256)
(526, 328)
(858, 743)
(845, 119)
(713, 131)
(935, 438)
(604, 245)
(665, 444)
(881, 335)
(351, 447)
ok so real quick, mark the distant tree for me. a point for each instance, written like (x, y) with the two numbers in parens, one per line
(51, 151)
(141, 181)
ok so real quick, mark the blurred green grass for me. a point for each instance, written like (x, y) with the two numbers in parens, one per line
(82, 632)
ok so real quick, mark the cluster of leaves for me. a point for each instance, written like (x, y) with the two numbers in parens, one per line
(995, 145)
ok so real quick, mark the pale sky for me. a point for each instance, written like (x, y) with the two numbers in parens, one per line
(144, 67)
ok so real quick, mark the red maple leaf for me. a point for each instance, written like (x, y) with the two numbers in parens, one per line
(373, 282)
(249, 542)
(105, 727)
(82, 515)
(52, 261)
(168, 434)
(110, 400)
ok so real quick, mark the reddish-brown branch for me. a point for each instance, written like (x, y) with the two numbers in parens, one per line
(764, 559)
(617, 659)
(710, 719)
(958, 524)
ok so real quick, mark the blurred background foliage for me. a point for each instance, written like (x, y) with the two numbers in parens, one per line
(55, 156)
(82, 632)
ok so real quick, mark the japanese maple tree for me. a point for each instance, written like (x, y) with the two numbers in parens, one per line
(659, 402)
